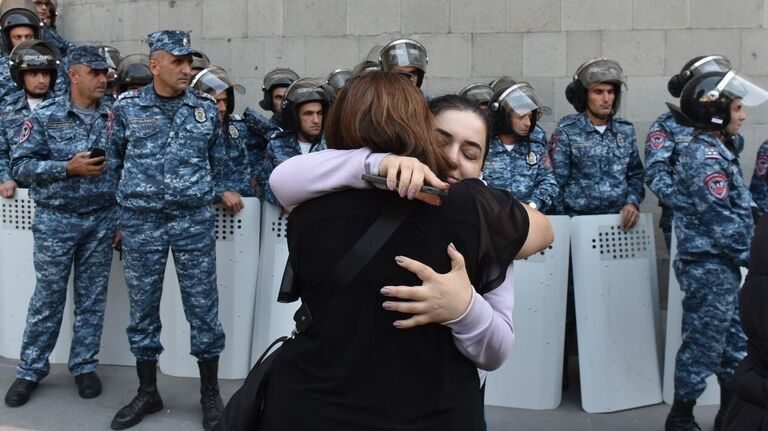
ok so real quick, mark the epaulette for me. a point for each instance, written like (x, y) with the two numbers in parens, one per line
(622, 121)
(47, 103)
(235, 117)
(127, 95)
(205, 96)
(568, 120)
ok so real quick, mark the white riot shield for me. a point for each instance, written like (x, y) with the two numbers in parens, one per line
(237, 254)
(674, 338)
(17, 279)
(532, 376)
(612, 277)
(273, 319)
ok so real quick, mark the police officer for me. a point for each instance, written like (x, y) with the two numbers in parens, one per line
(338, 78)
(47, 10)
(112, 55)
(18, 22)
(405, 56)
(216, 82)
(518, 160)
(714, 228)
(479, 93)
(370, 62)
(132, 73)
(667, 136)
(34, 65)
(168, 139)
(275, 84)
(75, 223)
(200, 63)
(304, 108)
(595, 157)
(759, 184)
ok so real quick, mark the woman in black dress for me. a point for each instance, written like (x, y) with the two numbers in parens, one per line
(354, 370)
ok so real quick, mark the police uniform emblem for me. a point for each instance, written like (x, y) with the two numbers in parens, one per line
(717, 185)
(762, 165)
(26, 130)
(531, 159)
(620, 139)
(233, 133)
(656, 139)
(200, 115)
(185, 42)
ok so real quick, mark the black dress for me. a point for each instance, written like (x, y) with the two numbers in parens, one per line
(354, 370)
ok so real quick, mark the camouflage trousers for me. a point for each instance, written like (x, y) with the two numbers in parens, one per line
(63, 239)
(147, 237)
(665, 224)
(713, 341)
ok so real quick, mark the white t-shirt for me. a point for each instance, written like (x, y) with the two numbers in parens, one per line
(34, 103)
(305, 147)
(602, 128)
(509, 147)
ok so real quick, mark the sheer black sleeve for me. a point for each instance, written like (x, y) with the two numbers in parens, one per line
(504, 228)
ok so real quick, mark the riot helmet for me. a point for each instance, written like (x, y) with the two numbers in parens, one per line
(520, 99)
(133, 72)
(280, 77)
(338, 78)
(213, 80)
(479, 93)
(706, 99)
(200, 63)
(595, 71)
(112, 55)
(18, 13)
(370, 62)
(697, 66)
(404, 53)
(302, 91)
(33, 55)
(502, 83)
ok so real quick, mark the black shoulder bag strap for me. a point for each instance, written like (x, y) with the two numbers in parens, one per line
(359, 255)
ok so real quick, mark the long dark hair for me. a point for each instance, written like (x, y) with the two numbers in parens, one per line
(385, 112)
(453, 102)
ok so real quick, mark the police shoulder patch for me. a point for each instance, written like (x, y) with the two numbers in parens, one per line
(656, 139)
(26, 130)
(717, 185)
(761, 167)
(547, 161)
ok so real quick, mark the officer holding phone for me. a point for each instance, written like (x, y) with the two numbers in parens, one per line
(75, 223)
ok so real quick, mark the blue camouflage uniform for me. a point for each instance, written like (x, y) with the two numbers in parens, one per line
(51, 35)
(714, 228)
(173, 155)
(281, 147)
(261, 131)
(759, 184)
(525, 171)
(12, 116)
(9, 91)
(598, 173)
(74, 223)
(240, 166)
(663, 145)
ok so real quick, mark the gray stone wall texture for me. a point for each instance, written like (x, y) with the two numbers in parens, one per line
(541, 42)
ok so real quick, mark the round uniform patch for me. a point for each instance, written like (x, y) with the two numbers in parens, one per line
(656, 139)
(531, 159)
(26, 130)
(233, 133)
(717, 185)
(762, 165)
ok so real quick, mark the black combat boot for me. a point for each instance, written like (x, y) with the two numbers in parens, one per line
(19, 392)
(680, 418)
(145, 402)
(210, 399)
(725, 400)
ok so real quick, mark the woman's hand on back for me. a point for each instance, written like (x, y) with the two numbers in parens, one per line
(440, 298)
(412, 175)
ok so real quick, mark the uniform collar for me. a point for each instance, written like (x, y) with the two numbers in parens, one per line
(589, 126)
(101, 108)
(714, 141)
(148, 96)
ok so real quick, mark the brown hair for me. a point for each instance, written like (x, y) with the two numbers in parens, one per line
(385, 112)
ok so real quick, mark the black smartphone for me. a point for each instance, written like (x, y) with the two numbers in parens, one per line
(97, 152)
(424, 189)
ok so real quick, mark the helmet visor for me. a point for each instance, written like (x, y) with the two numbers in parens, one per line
(737, 87)
(522, 99)
(600, 70)
(712, 63)
(404, 53)
(214, 80)
(478, 93)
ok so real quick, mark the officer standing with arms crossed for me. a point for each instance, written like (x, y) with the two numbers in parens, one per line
(168, 139)
(714, 229)
(75, 223)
